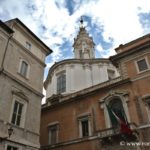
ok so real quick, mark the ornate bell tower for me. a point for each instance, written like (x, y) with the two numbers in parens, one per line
(83, 44)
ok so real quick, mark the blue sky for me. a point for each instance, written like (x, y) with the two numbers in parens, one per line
(56, 22)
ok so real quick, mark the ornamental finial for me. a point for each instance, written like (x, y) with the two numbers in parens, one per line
(81, 22)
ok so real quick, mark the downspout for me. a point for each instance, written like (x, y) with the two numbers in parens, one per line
(6, 48)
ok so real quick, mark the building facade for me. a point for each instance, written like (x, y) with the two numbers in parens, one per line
(81, 119)
(22, 62)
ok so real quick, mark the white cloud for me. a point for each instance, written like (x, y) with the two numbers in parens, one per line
(48, 65)
(118, 18)
(99, 47)
(103, 52)
(57, 53)
(110, 52)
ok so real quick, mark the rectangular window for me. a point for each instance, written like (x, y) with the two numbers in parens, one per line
(85, 128)
(28, 45)
(146, 100)
(111, 74)
(24, 68)
(53, 134)
(11, 148)
(61, 83)
(17, 112)
(142, 65)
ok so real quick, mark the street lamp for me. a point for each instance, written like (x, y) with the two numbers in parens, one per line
(10, 131)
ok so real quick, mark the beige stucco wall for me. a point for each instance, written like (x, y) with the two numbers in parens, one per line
(3, 41)
(12, 61)
(23, 38)
(25, 136)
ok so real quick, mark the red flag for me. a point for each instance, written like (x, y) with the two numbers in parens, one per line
(124, 127)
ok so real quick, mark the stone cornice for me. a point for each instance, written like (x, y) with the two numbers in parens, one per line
(20, 94)
(73, 61)
(134, 43)
(128, 52)
(28, 52)
(23, 27)
(113, 93)
(6, 28)
(88, 91)
(23, 84)
(69, 142)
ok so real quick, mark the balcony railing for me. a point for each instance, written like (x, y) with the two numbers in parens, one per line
(114, 132)
(108, 132)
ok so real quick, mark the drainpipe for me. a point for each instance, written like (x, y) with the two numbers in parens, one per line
(6, 48)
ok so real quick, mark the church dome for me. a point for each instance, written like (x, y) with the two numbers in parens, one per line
(84, 70)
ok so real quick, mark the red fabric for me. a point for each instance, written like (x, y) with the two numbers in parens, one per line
(124, 128)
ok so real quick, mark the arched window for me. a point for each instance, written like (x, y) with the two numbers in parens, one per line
(116, 107)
